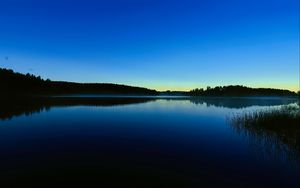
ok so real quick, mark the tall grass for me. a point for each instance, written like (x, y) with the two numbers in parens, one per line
(276, 130)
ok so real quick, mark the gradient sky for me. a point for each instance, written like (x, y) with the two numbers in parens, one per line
(160, 44)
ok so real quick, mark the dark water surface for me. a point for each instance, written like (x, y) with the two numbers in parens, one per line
(141, 142)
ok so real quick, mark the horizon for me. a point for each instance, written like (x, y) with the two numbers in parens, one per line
(160, 45)
(152, 88)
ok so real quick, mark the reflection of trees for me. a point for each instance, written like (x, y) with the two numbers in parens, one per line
(10, 107)
(241, 102)
(275, 133)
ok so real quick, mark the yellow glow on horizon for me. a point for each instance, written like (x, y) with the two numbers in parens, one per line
(291, 87)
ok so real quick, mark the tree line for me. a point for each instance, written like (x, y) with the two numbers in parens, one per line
(13, 83)
(239, 90)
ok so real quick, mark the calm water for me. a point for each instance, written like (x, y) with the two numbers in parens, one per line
(139, 142)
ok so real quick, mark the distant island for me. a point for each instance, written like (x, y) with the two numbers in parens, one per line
(17, 84)
(239, 91)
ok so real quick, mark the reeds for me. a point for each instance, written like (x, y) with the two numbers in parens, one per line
(276, 130)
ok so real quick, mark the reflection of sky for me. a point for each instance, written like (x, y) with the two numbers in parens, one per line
(156, 44)
(183, 118)
(172, 136)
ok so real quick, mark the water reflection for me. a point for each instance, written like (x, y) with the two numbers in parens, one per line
(11, 107)
(145, 142)
(242, 102)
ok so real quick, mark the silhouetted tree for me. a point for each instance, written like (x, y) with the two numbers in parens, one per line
(12, 83)
(240, 91)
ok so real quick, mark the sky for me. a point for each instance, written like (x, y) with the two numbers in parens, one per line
(159, 44)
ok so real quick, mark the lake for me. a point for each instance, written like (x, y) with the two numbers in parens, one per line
(141, 142)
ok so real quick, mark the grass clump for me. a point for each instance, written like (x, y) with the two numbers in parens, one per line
(276, 130)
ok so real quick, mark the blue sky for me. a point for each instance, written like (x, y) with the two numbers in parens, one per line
(178, 45)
